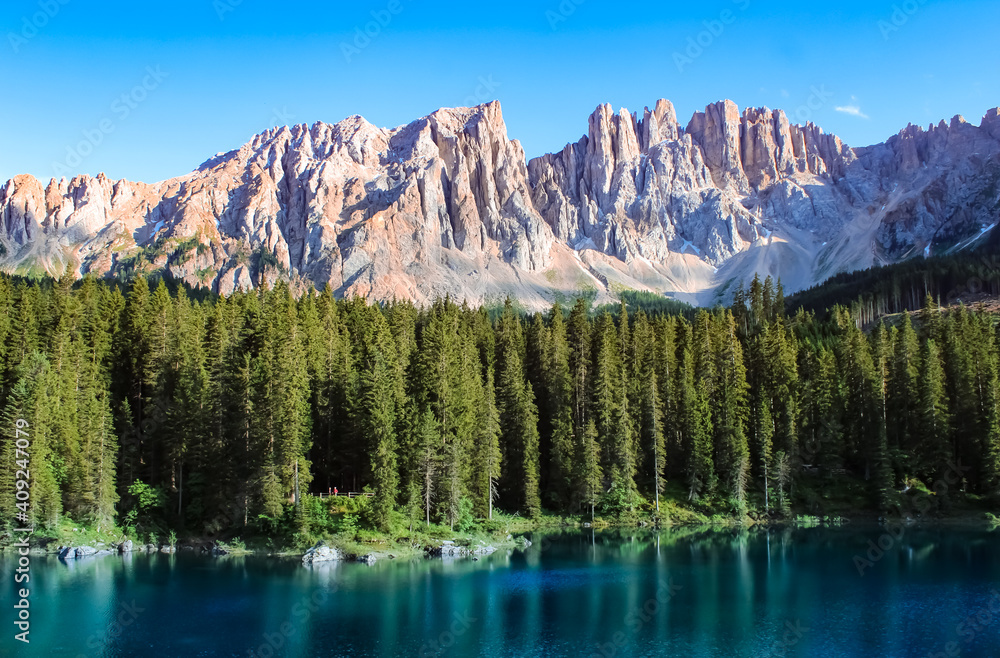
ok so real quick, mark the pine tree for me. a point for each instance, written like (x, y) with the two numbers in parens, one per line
(781, 380)
(862, 399)
(187, 417)
(694, 419)
(933, 441)
(730, 408)
(378, 387)
(650, 404)
(610, 412)
(559, 396)
(822, 410)
(518, 416)
(334, 392)
(292, 414)
(590, 474)
(448, 364)
(991, 484)
(488, 458)
(930, 318)
(578, 330)
(29, 400)
(882, 351)
(903, 397)
(986, 379)
(959, 346)
(426, 438)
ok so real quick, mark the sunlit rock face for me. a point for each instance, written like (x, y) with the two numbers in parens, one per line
(449, 205)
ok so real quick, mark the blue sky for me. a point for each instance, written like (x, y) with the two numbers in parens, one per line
(146, 91)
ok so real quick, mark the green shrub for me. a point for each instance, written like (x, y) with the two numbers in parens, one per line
(621, 503)
(466, 517)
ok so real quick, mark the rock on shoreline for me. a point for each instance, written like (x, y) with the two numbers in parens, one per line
(321, 553)
(450, 549)
(76, 552)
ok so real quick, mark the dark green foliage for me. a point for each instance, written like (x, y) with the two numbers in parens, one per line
(157, 407)
(905, 286)
(518, 417)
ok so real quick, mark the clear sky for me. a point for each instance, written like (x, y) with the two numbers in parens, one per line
(149, 90)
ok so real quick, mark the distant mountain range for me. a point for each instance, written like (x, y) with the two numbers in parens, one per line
(449, 205)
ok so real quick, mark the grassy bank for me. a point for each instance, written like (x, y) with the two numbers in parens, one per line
(345, 524)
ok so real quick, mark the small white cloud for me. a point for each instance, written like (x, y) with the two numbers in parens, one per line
(853, 110)
(784, 93)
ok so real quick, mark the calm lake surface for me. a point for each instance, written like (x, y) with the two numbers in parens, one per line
(784, 592)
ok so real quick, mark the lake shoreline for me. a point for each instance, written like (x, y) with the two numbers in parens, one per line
(477, 545)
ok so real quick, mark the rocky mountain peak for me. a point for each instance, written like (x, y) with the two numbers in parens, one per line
(449, 204)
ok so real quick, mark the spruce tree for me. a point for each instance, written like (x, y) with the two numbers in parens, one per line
(518, 416)
(934, 441)
(609, 399)
(378, 387)
(650, 405)
(903, 397)
(559, 396)
(695, 421)
(578, 335)
(590, 473)
(488, 458)
(730, 408)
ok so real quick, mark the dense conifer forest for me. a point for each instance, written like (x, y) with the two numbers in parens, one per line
(219, 414)
(877, 291)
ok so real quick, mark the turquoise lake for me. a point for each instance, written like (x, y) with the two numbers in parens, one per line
(784, 592)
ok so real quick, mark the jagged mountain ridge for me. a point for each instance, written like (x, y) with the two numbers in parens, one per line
(448, 204)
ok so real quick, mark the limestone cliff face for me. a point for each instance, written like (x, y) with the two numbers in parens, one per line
(448, 205)
(369, 211)
(647, 187)
(751, 192)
